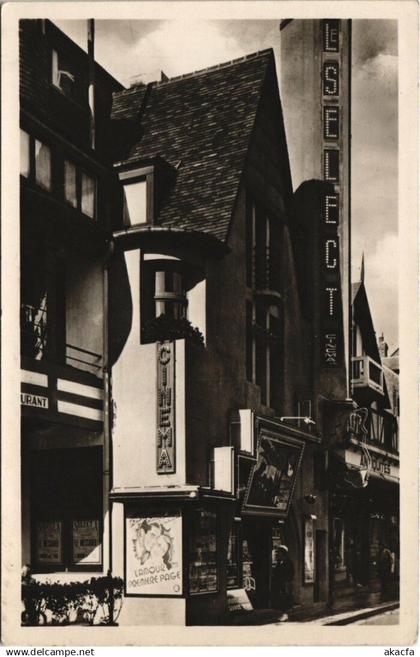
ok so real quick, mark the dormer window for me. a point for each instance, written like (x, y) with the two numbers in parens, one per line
(138, 185)
(135, 203)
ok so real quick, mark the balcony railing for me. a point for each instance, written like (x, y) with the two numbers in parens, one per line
(83, 359)
(35, 344)
(366, 373)
(267, 269)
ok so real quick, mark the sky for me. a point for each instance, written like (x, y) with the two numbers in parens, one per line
(138, 50)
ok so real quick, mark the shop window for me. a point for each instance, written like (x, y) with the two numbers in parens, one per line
(79, 189)
(202, 549)
(66, 509)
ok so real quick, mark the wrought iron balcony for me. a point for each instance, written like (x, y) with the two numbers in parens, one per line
(36, 343)
(367, 373)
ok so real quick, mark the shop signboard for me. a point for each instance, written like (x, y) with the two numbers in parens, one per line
(153, 560)
(86, 542)
(272, 479)
(49, 542)
(378, 465)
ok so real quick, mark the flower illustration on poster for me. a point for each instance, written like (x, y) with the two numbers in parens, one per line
(154, 561)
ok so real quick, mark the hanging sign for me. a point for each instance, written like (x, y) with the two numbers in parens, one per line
(154, 555)
(273, 477)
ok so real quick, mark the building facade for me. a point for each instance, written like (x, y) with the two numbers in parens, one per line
(66, 208)
(184, 337)
(360, 424)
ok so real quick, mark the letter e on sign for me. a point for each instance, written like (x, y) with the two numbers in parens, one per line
(331, 33)
(331, 122)
(331, 206)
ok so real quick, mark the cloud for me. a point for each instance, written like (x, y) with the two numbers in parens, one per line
(372, 38)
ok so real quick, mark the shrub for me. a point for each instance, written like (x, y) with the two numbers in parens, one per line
(167, 328)
(63, 603)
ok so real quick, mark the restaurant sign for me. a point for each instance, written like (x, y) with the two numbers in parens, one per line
(273, 477)
(38, 401)
(153, 561)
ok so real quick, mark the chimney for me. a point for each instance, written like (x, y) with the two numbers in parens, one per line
(383, 347)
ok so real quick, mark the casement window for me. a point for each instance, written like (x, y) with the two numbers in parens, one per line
(79, 189)
(64, 75)
(263, 249)
(35, 160)
(264, 363)
(163, 294)
(66, 509)
(170, 296)
(42, 298)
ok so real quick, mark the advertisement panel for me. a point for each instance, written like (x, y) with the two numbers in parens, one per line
(48, 541)
(272, 479)
(86, 542)
(154, 554)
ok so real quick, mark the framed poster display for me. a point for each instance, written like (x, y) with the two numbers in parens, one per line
(273, 477)
(86, 544)
(153, 554)
(49, 542)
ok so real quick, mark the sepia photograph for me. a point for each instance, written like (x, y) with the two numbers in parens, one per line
(205, 295)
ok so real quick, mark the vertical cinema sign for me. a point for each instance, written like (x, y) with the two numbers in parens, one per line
(165, 430)
(332, 146)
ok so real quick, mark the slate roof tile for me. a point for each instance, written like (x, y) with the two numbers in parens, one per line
(205, 119)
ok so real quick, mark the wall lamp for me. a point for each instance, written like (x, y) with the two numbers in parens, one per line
(306, 419)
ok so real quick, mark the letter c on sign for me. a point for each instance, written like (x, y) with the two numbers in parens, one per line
(330, 259)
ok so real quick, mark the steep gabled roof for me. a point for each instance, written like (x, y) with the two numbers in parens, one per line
(201, 124)
(362, 317)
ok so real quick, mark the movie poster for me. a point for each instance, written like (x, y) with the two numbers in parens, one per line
(154, 555)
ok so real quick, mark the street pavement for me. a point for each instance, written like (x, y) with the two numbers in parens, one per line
(386, 618)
